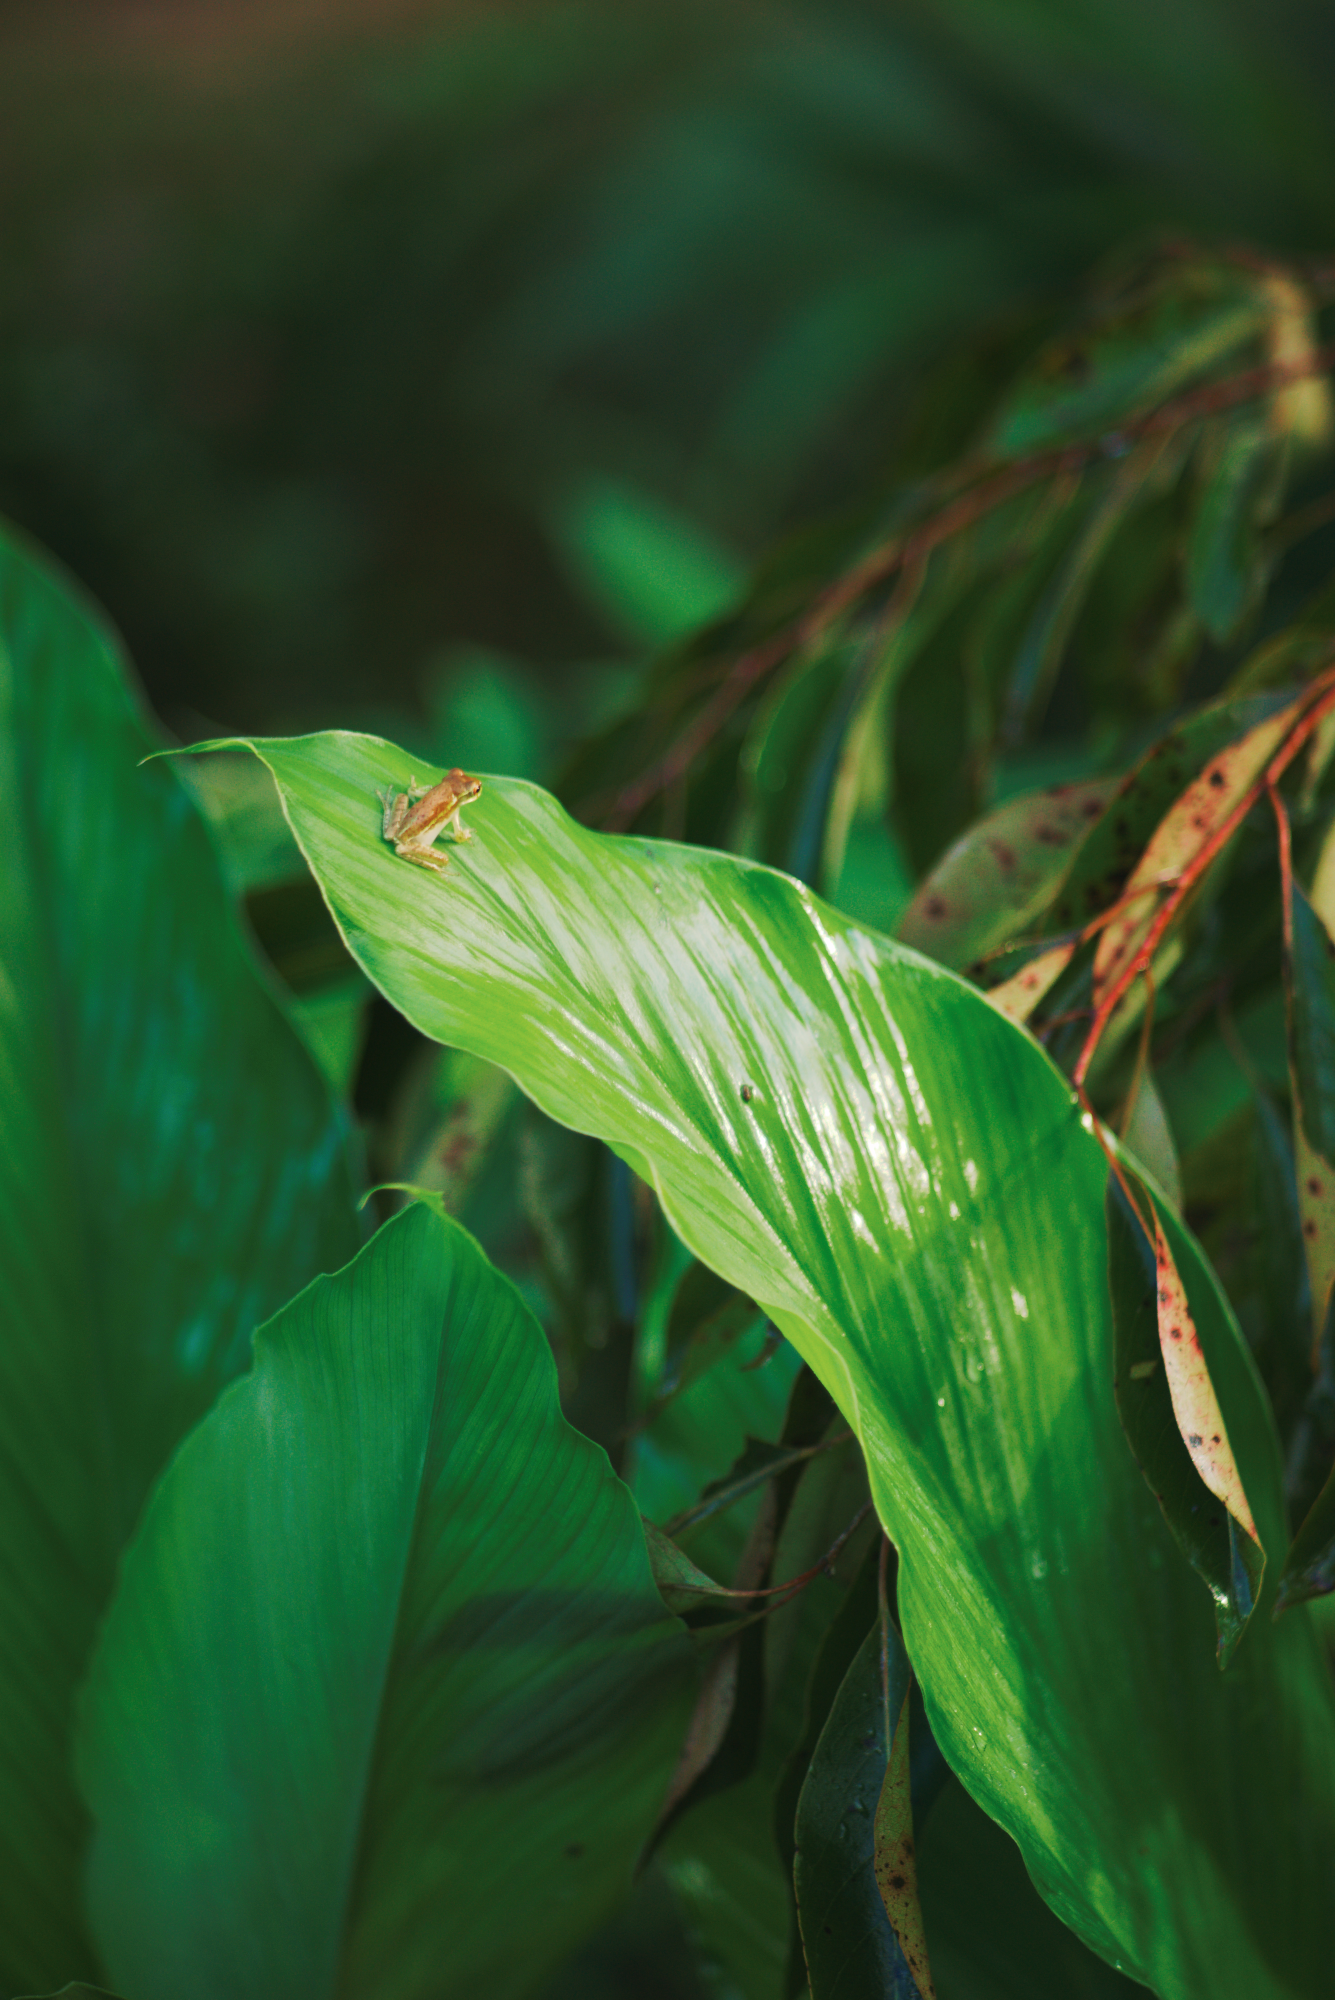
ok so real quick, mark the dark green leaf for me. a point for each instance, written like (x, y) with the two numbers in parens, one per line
(1309, 1568)
(386, 1646)
(1156, 333)
(846, 1935)
(1225, 557)
(908, 1191)
(174, 1168)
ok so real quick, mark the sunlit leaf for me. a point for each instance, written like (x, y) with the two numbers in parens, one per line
(174, 1168)
(902, 1181)
(386, 1643)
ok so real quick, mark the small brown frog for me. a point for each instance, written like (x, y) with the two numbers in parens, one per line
(412, 819)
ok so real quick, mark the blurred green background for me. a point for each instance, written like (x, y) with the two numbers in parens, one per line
(421, 368)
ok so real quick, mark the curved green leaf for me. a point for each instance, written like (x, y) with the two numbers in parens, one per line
(902, 1180)
(386, 1665)
(173, 1169)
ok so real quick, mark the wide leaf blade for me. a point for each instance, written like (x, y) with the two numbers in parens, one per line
(173, 1168)
(386, 1663)
(903, 1181)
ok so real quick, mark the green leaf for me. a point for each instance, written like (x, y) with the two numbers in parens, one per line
(1216, 1544)
(1310, 992)
(992, 1937)
(1146, 342)
(846, 1935)
(1309, 1567)
(902, 1180)
(174, 1168)
(998, 877)
(1226, 567)
(655, 574)
(386, 1646)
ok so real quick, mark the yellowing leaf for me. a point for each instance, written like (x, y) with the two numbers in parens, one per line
(1018, 996)
(1195, 1404)
(896, 1861)
(1180, 837)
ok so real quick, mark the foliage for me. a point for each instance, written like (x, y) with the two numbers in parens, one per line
(958, 1311)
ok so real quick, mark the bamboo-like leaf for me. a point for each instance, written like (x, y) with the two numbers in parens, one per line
(1016, 998)
(1115, 842)
(173, 1169)
(999, 877)
(1310, 990)
(1309, 1567)
(903, 1182)
(1170, 1412)
(1182, 834)
(1225, 559)
(386, 1660)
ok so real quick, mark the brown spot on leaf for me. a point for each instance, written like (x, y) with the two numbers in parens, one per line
(935, 907)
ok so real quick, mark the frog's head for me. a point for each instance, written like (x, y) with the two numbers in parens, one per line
(464, 787)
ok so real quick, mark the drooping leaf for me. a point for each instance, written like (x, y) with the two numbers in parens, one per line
(386, 1646)
(1170, 1413)
(908, 1191)
(1181, 836)
(1309, 1567)
(174, 1168)
(1310, 991)
(1225, 559)
(1115, 842)
(895, 1857)
(1153, 334)
(998, 877)
(1016, 998)
(850, 1945)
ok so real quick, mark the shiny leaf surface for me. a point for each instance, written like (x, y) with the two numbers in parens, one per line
(173, 1169)
(386, 1647)
(903, 1182)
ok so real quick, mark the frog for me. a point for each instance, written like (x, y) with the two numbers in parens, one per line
(412, 819)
